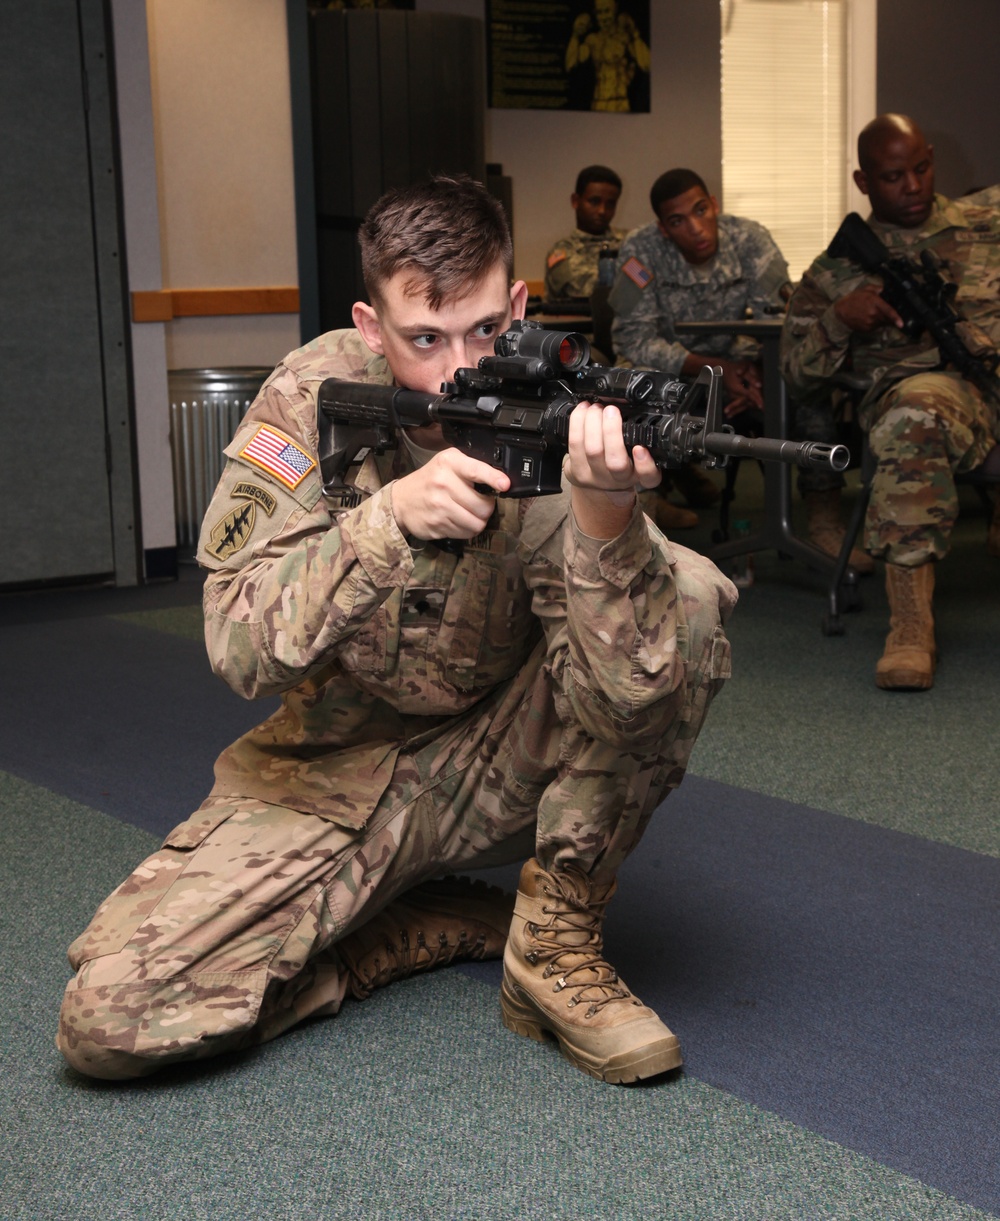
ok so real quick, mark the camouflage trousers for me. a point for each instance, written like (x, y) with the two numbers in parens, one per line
(227, 935)
(926, 429)
(816, 420)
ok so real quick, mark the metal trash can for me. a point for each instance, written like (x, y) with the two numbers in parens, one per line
(206, 406)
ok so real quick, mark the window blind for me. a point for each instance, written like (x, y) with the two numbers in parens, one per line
(784, 94)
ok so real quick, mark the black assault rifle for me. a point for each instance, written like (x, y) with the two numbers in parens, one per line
(513, 412)
(924, 300)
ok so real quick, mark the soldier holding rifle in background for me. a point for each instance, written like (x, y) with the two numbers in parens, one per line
(928, 413)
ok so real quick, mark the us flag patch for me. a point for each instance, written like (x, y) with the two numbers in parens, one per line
(277, 454)
(636, 272)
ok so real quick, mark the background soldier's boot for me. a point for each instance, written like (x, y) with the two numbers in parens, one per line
(695, 486)
(666, 515)
(826, 530)
(910, 654)
(429, 926)
(673, 517)
(555, 980)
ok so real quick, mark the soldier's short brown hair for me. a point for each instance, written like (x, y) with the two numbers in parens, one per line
(445, 233)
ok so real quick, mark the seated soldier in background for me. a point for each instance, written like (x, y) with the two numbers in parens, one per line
(534, 692)
(925, 422)
(571, 265)
(695, 263)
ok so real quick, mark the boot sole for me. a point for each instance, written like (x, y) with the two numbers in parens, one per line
(904, 680)
(649, 1061)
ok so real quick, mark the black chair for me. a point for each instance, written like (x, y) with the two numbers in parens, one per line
(602, 315)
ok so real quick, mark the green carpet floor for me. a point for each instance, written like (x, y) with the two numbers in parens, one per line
(371, 1115)
(375, 1114)
(803, 720)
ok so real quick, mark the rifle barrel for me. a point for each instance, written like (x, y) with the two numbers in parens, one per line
(815, 455)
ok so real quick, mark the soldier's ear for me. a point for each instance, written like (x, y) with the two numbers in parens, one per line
(861, 181)
(518, 299)
(369, 327)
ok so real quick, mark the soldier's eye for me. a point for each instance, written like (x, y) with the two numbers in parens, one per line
(424, 341)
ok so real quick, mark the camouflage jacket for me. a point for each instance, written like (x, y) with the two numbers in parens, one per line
(655, 288)
(815, 344)
(571, 265)
(372, 642)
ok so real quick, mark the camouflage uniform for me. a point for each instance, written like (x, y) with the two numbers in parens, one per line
(924, 424)
(542, 692)
(571, 264)
(655, 287)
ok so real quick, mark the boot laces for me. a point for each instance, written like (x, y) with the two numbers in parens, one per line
(579, 964)
(909, 624)
(399, 958)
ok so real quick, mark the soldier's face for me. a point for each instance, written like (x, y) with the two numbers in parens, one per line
(691, 222)
(595, 208)
(425, 346)
(900, 180)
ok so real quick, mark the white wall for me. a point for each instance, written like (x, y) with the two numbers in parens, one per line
(543, 150)
(222, 122)
(142, 248)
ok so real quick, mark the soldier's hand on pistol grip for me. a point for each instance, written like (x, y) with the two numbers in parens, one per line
(440, 499)
(866, 309)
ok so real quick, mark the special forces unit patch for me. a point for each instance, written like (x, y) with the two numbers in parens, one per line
(277, 454)
(232, 532)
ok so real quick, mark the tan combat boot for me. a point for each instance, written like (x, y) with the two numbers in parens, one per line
(695, 486)
(910, 653)
(429, 926)
(826, 530)
(668, 516)
(555, 981)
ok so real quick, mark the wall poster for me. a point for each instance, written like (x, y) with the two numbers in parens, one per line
(568, 55)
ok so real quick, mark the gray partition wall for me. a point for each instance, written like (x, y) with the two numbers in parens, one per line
(379, 100)
(66, 458)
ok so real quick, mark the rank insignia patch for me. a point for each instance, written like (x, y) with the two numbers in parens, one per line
(636, 272)
(232, 532)
(277, 454)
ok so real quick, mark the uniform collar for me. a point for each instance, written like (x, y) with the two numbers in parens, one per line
(612, 235)
(946, 214)
(725, 263)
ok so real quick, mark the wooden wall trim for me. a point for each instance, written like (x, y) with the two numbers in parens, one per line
(167, 303)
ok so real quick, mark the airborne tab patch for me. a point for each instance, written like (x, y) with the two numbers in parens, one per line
(277, 454)
(254, 492)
